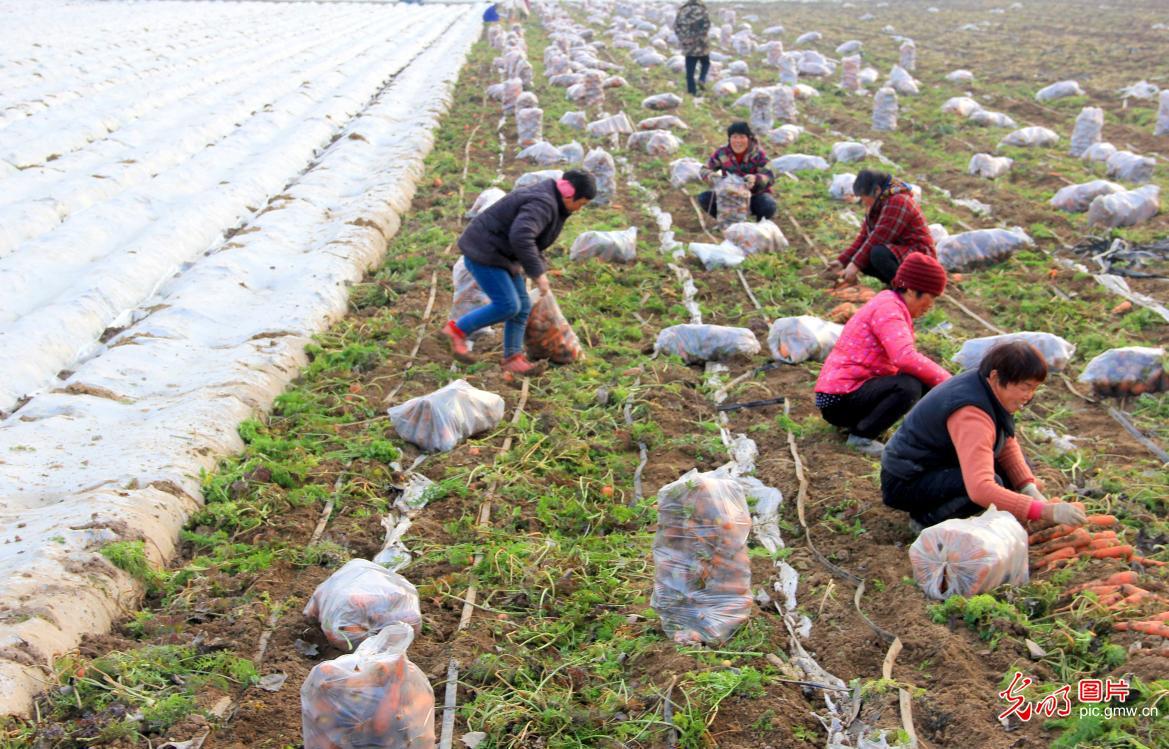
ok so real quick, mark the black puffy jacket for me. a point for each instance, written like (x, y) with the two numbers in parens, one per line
(516, 229)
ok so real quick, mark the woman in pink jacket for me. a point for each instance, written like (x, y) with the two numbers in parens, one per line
(875, 374)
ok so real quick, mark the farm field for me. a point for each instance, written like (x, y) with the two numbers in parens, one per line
(533, 554)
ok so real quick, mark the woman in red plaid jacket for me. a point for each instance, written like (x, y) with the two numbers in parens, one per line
(893, 228)
(742, 156)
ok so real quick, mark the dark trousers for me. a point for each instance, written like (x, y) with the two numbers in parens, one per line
(876, 405)
(691, 64)
(883, 264)
(762, 205)
(933, 496)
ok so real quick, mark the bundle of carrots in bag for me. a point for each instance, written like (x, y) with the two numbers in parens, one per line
(1060, 545)
(797, 339)
(970, 555)
(1132, 370)
(548, 335)
(374, 697)
(359, 600)
(441, 420)
(702, 574)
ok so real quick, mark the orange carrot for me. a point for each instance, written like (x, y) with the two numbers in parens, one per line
(1155, 628)
(1120, 578)
(1099, 590)
(1101, 521)
(1103, 543)
(1049, 534)
(1150, 562)
(1066, 552)
(1103, 534)
(1162, 617)
(1078, 537)
(1124, 551)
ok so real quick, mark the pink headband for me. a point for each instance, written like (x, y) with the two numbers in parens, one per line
(567, 191)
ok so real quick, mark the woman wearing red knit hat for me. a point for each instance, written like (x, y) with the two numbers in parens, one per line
(875, 373)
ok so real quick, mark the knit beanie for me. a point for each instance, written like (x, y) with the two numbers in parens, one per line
(921, 273)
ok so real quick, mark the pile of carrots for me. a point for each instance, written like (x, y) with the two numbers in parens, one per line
(548, 335)
(374, 697)
(842, 312)
(1061, 545)
(853, 293)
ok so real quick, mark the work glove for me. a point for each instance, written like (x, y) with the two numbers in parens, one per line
(1063, 513)
(1032, 491)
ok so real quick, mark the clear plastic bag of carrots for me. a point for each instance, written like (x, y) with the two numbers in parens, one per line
(467, 296)
(702, 574)
(374, 697)
(1132, 370)
(756, 236)
(359, 600)
(612, 246)
(1055, 350)
(548, 335)
(970, 555)
(703, 343)
(732, 197)
(797, 339)
(441, 420)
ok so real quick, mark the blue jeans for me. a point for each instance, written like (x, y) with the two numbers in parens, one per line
(509, 304)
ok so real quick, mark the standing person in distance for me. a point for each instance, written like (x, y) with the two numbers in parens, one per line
(742, 156)
(893, 228)
(503, 244)
(692, 25)
(875, 374)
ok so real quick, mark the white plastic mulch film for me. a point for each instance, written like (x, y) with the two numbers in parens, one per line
(167, 333)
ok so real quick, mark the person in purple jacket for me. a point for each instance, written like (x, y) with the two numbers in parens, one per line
(501, 246)
(741, 156)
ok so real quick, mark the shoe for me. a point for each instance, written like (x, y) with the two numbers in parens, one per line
(866, 446)
(916, 526)
(518, 364)
(458, 340)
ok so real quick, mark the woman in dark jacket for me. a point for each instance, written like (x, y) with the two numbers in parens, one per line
(893, 228)
(500, 246)
(742, 156)
(956, 452)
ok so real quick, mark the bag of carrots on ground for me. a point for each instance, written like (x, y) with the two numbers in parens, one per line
(702, 574)
(374, 697)
(467, 295)
(797, 339)
(968, 556)
(548, 335)
(361, 599)
(698, 343)
(1132, 370)
(441, 420)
